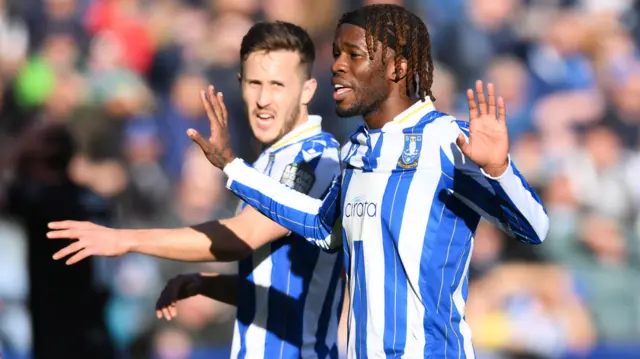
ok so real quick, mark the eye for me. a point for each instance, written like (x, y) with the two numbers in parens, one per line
(355, 56)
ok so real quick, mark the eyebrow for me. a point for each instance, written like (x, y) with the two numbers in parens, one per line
(353, 46)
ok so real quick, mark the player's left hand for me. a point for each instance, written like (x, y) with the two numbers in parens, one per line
(488, 145)
(178, 288)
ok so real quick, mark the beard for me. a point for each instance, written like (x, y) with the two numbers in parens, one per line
(363, 107)
(290, 122)
(367, 102)
(292, 116)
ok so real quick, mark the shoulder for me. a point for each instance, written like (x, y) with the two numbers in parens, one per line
(440, 131)
(315, 161)
(308, 149)
(321, 142)
(440, 124)
(448, 127)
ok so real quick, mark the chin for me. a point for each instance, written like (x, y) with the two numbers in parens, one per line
(268, 137)
(347, 111)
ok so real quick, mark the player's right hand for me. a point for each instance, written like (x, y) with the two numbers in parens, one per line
(89, 238)
(180, 287)
(218, 148)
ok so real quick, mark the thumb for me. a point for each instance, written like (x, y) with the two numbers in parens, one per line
(465, 147)
(198, 139)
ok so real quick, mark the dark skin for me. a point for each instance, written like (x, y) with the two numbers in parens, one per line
(378, 93)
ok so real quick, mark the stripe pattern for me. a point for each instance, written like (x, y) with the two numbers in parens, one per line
(290, 291)
(409, 203)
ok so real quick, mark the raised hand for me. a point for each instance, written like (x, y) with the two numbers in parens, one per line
(180, 287)
(90, 240)
(488, 145)
(218, 148)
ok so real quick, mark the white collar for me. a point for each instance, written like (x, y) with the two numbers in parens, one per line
(410, 116)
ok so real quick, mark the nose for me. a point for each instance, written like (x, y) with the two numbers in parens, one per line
(339, 65)
(264, 98)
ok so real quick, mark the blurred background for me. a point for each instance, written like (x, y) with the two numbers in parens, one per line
(96, 95)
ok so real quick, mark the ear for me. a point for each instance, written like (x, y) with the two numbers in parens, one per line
(391, 69)
(239, 77)
(308, 90)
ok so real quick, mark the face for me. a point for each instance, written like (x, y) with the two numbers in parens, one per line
(360, 83)
(275, 96)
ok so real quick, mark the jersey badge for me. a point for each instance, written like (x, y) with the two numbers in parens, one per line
(410, 151)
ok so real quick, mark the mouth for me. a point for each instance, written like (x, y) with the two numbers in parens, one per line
(264, 120)
(340, 92)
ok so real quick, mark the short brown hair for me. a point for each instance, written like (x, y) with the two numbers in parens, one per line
(279, 35)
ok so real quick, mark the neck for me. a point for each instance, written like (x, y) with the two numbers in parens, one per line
(302, 119)
(387, 111)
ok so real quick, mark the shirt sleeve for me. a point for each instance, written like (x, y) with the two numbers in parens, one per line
(287, 203)
(507, 200)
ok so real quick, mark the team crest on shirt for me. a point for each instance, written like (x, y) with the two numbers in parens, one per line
(410, 151)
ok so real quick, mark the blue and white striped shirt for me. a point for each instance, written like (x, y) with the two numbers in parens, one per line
(409, 202)
(290, 292)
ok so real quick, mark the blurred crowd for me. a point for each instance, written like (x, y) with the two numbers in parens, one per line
(96, 96)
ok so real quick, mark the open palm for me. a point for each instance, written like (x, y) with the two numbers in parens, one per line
(488, 145)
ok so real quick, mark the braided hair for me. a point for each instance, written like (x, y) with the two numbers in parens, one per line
(410, 40)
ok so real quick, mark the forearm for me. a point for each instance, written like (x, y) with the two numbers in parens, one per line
(210, 241)
(520, 206)
(223, 288)
(309, 217)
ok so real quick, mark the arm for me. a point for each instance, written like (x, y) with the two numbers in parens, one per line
(225, 240)
(476, 157)
(220, 287)
(506, 200)
(311, 218)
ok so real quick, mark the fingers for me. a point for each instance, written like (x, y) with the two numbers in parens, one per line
(225, 114)
(492, 99)
(482, 101)
(79, 256)
(169, 312)
(214, 98)
(166, 304)
(72, 248)
(502, 111)
(208, 108)
(64, 234)
(70, 224)
(198, 139)
(473, 106)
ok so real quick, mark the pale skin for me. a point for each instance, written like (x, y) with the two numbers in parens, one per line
(487, 146)
(272, 84)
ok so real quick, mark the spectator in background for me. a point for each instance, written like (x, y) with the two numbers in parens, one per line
(510, 75)
(67, 319)
(181, 112)
(14, 40)
(108, 70)
(528, 311)
(124, 19)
